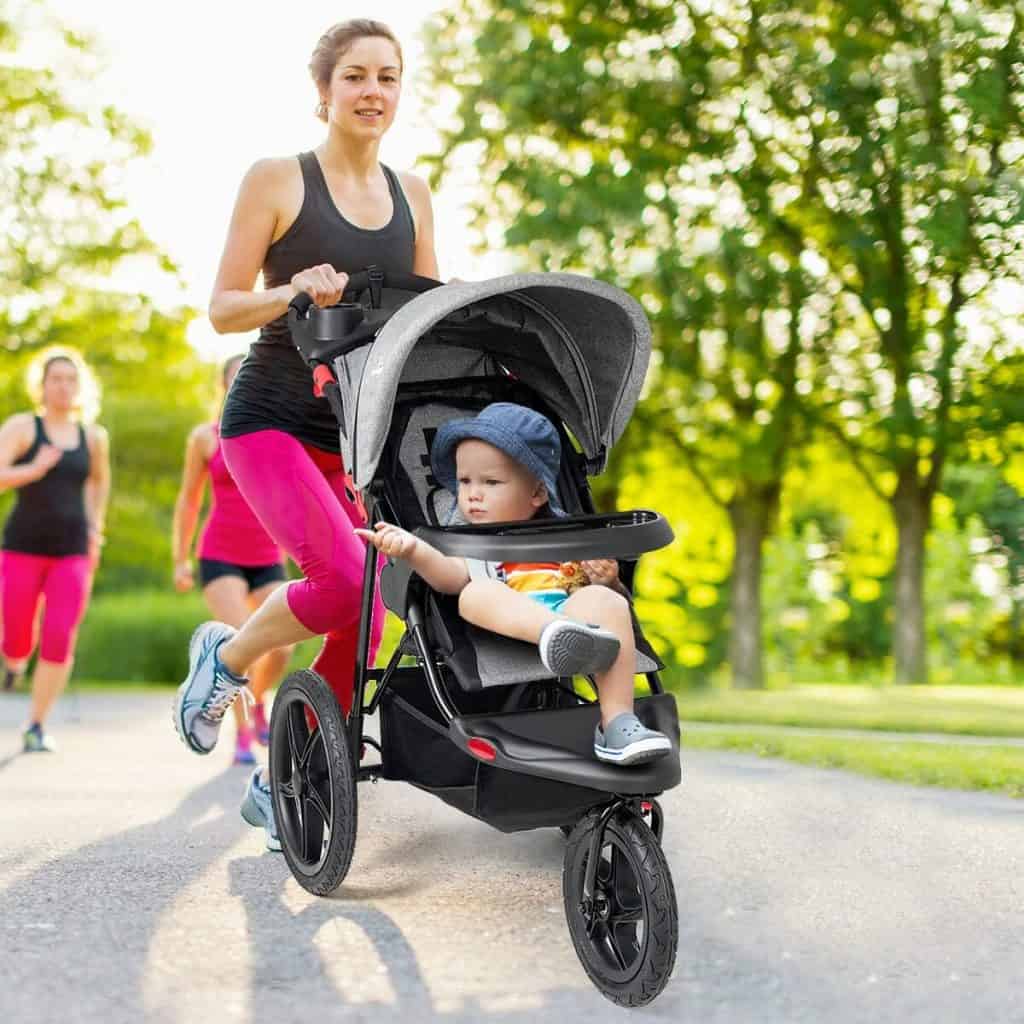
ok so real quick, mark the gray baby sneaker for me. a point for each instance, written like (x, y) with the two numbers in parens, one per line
(570, 648)
(628, 741)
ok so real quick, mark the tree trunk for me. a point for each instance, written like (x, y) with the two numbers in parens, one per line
(1016, 644)
(751, 517)
(911, 505)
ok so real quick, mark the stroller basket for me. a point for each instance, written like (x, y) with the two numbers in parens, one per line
(418, 748)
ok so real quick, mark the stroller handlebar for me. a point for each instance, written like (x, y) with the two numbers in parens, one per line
(565, 539)
(322, 333)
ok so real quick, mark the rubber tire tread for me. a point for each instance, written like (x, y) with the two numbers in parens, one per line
(343, 840)
(656, 881)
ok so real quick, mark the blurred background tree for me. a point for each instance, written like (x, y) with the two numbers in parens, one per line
(68, 249)
(816, 203)
(819, 205)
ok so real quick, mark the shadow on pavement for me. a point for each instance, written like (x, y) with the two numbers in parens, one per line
(288, 969)
(76, 932)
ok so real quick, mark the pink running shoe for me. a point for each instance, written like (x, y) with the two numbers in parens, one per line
(261, 727)
(243, 746)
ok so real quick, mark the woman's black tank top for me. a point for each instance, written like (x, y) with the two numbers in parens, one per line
(48, 517)
(273, 389)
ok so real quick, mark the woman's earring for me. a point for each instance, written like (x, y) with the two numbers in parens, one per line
(321, 109)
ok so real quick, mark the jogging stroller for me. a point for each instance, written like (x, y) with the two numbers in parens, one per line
(467, 715)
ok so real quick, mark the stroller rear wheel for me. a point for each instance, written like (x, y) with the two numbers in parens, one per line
(312, 782)
(626, 935)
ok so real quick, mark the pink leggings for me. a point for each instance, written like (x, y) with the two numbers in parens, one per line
(299, 494)
(64, 585)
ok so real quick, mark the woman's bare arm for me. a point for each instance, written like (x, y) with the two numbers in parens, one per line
(188, 504)
(16, 437)
(269, 199)
(97, 486)
(424, 255)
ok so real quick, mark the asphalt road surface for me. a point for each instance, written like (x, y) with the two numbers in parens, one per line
(130, 890)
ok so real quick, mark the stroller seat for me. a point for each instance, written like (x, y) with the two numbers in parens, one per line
(478, 659)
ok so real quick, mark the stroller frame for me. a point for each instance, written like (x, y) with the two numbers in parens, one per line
(617, 888)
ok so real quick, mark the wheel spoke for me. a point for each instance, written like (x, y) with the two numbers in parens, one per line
(300, 817)
(297, 731)
(312, 831)
(315, 737)
(626, 916)
(313, 796)
(625, 888)
(612, 862)
(612, 946)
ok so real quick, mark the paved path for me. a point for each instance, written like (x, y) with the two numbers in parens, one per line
(131, 891)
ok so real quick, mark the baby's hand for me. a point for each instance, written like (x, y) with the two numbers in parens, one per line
(391, 540)
(604, 571)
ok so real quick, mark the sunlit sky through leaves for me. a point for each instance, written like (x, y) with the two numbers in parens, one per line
(220, 84)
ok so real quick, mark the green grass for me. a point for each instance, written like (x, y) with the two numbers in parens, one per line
(963, 710)
(993, 768)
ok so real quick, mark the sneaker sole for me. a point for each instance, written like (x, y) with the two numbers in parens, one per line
(633, 753)
(572, 649)
(178, 708)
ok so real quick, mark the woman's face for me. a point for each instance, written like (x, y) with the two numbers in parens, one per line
(60, 386)
(364, 88)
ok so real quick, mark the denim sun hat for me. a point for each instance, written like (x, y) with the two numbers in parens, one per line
(522, 434)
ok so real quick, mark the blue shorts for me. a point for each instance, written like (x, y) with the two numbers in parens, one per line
(551, 599)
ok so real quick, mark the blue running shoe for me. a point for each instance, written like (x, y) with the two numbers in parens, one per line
(208, 691)
(258, 809)
(35, 741)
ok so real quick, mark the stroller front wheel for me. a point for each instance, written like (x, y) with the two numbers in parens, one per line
(312, 783)
(626, 934)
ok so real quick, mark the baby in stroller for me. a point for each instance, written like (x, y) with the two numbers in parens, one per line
(502, 466)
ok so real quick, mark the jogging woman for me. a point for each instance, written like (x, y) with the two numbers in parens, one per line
(239, 564)
(59, 464)
(306, 223)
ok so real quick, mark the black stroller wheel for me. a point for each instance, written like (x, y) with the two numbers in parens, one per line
(626, 939)
(312, 782)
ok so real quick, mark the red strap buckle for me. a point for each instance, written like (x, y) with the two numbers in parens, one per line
(322, 376)
(356, 496)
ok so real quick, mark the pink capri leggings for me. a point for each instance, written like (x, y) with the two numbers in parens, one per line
(300, 495)
(63, 583)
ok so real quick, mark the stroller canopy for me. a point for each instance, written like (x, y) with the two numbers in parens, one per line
(581, 344)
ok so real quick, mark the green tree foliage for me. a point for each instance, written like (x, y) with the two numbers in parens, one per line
(814, 200)
(898, 172)
(66, 229)
(982, 493)
(581, 117)
(63, 220)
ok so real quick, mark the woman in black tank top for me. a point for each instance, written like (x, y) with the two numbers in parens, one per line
(61, 472)
(306, 224)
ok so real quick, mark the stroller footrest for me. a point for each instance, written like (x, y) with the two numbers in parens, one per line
(559, 744)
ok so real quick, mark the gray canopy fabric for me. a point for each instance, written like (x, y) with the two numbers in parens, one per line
(581, 344)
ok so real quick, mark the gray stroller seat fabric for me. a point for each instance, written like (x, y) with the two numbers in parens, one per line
(478, 658)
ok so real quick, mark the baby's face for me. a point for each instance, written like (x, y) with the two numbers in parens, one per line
(494, 488)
